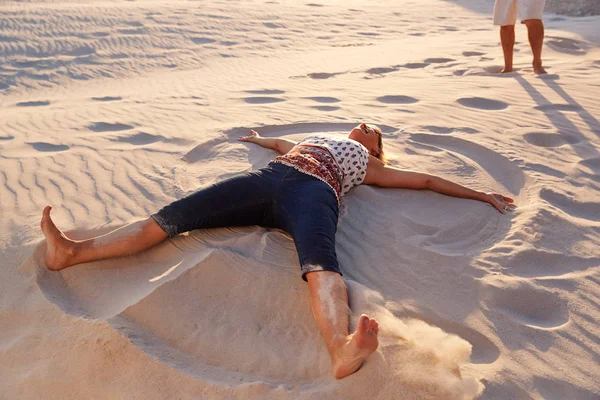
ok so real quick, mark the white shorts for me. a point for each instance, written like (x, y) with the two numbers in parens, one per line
(505, 11)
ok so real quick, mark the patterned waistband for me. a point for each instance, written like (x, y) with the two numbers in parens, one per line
(317, 162)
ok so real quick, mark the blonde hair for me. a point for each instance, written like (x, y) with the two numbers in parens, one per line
(381, 155)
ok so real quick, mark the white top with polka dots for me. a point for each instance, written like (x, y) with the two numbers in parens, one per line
(351, 156)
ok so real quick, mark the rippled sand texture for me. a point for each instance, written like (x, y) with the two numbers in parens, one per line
(110, 110)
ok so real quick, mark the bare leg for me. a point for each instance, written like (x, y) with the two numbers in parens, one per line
(535, 32)
(63, 252)
(507, 38)
(329, 301)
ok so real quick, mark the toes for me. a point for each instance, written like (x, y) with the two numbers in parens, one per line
(363, 323)
(373, 326)
(45, 216)
(47, 224)
(46, 212)
(367, 325)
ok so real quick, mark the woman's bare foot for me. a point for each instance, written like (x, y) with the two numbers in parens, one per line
(60, 249)
(360, 345)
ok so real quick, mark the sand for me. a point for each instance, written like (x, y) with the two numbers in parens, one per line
(112, 109)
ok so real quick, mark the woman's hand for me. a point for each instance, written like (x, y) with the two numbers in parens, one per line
(501, 203)
(252, 137)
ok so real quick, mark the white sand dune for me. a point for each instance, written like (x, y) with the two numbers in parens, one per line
(111, 110)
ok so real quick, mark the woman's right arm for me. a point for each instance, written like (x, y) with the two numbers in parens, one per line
(280, 145)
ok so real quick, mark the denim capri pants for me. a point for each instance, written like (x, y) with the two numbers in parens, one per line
(277, 196)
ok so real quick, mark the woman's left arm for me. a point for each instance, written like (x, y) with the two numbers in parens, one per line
(385, 176)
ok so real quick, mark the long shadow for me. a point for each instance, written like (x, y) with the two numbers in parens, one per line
(588, 118)
(561, 121)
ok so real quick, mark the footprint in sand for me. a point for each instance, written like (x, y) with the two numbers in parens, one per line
(322, 75)
(140, 139)
(527, 305)
(324, 99)
(266, 91)
(381, 70)
(581, 209)
(437, 60)
(447, 130)
(107, 98)
(326, 108)
(108, 127)
(273, 25)
(439, 129)
(48, 147)
(368, 33)
(415, 65)
(472, 53)
(137, 24)
(126, 31)
(100, 34)
(81, 51)
(262, 100)
(482, 103)
(33, 103)
(203, 40)
(540, 263)
(397, 99)
(549, 139)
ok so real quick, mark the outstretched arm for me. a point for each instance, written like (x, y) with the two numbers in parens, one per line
(280, 145)
(385, 176)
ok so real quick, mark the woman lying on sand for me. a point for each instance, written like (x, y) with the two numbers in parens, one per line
(298, 192)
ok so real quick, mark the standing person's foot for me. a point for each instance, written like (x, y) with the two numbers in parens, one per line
(60, 249)
(360, 345)
(506, 70)
(537, 68)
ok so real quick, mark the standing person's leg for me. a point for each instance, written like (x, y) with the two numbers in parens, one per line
(505, 15)
(531, 12)
(238, 201)
(535, 32)
(309, 212)
(507, 38)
